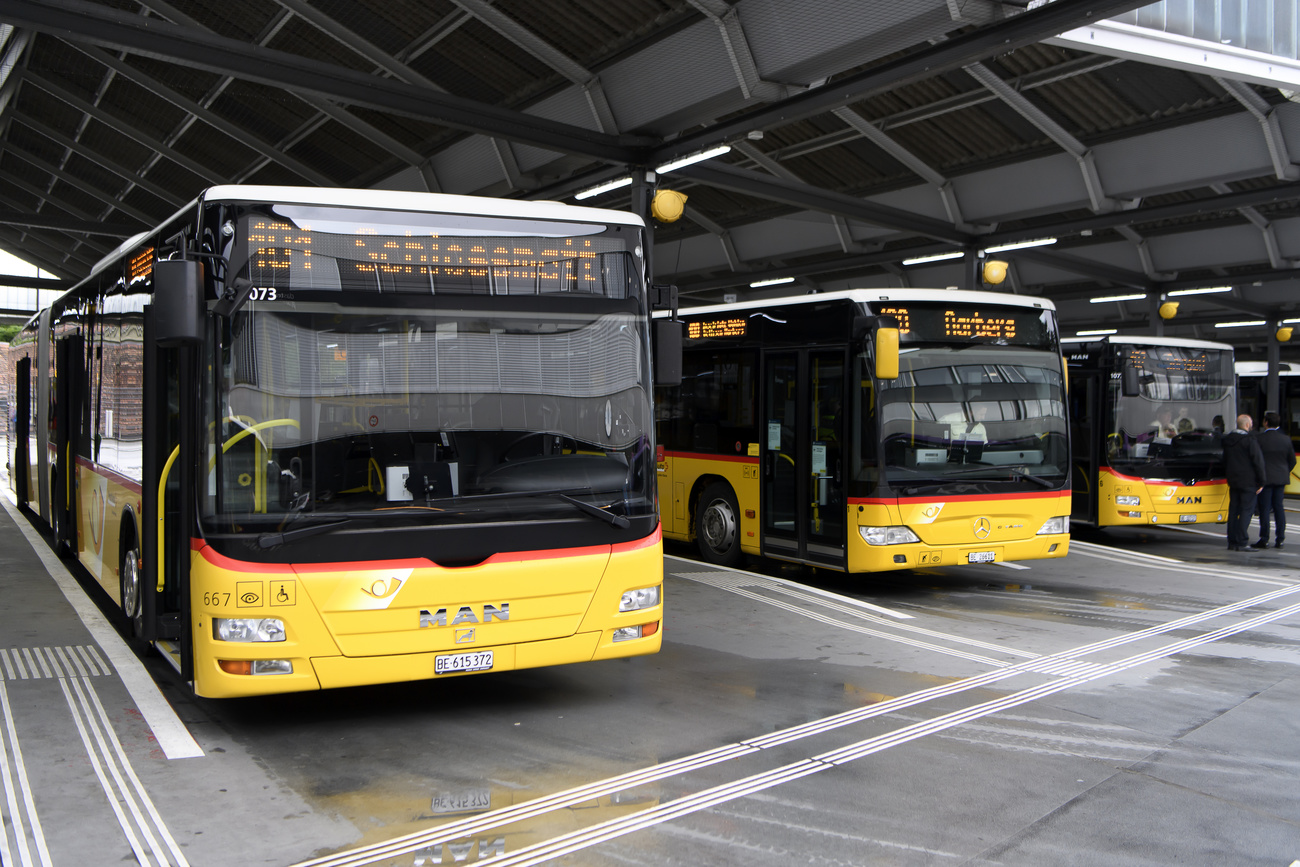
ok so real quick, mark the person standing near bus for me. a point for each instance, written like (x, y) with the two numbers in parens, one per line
(1279, 460)
(1244, 469)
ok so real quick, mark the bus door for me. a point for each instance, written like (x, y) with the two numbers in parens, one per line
(1087, 441)
(20, 467)
(803, 505)
(69, 386)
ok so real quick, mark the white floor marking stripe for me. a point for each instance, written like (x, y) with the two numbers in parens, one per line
(29, 805)
(724, 581)
(1007, 564)
(539, 806)
(847, 600)
(170, 733)
(1101, 552)
(546, 851)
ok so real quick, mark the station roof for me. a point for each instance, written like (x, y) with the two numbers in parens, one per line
(863, 134)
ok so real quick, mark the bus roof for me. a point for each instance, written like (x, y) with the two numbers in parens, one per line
(1146, 340)
(399, 200)
(388, 200)
(956, 296)
(1260, 368)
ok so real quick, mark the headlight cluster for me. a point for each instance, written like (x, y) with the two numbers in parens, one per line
(888, 535)
(247, 629)
(635, 600)
(1059, 524)
(1128, 501)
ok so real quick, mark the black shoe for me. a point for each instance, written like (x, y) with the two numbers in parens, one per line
(1237, 548)
(1262, 543)
(1277, 544)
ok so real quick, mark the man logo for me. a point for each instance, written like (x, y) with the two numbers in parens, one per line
(465, 614)
(982, 528)
(1189, 501)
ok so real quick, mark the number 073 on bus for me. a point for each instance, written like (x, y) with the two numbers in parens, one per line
(869, 430)
(316, 438)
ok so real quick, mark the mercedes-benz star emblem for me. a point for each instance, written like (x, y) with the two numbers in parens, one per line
(982, 528)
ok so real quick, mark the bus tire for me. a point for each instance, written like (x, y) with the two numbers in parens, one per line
(717, 525)
(132, 587)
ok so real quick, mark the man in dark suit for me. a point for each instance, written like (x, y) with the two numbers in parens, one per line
(1243, 463)
(1279, 460)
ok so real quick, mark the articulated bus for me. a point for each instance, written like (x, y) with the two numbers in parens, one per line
(315, 438)
(1147, 414)
(869, 430)
(1252, 383)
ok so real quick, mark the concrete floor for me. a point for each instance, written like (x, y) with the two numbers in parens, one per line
(1131, 704)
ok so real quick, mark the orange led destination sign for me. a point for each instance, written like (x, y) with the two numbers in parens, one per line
(716, 328)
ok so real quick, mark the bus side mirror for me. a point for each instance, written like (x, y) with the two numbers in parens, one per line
(668, 351)
(1129, 382)
(178, 302)
(886, 353)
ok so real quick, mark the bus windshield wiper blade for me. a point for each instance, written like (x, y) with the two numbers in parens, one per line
(610, 518)
(1046, 483)
(271, 540)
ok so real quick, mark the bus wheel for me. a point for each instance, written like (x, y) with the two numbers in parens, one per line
(717, 525)
(131, 587)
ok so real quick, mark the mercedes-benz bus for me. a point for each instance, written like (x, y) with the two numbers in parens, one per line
(869, 430)
(1147, 415)
(315, 438)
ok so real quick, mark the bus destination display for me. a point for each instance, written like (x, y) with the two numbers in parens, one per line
(947, 322)
(701, 328)
(1175, 360)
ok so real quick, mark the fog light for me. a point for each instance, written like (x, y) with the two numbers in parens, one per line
(1128, 501)
(255, 666)
(1052, 548)
(1059, 524)
(628, 633)
(247, 629)
(635, 600)
(888, 535)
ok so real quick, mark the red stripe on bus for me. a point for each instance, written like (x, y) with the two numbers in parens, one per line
(233, 565)
(1027, 495)
(126, 482)
(1143, 481)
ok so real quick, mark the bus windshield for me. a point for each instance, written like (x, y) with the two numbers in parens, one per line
(412, 377)
(1168, 407)
(974, 414)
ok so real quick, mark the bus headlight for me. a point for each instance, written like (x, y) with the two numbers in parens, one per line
(1059, 524)
(635, 600)
(1128, 501)
(247, 629)
(888, 535)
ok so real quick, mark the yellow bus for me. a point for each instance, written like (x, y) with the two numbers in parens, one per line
(315, 438)
(869, 430)
(1146, 415)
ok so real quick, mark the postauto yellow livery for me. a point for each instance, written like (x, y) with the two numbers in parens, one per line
(312, 438)
(869, 430)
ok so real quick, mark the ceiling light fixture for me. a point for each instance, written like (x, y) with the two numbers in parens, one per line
(694, 158)
(1106, 298)
(775, 281)
(937, 257)
(1020, 245)
(603, 188)
(1245, 324)
(1205, 291)
(1096, 332)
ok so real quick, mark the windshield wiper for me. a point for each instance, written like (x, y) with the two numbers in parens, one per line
(610, 518)
(970, 475)
(271, 540)
(1046, 483)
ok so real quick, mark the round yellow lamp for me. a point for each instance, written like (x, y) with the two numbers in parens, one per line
(1169, 310)
(995, 271)
(1283, 334)
(668, 206)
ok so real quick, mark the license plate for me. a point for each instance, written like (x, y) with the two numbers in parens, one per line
(450, 663)
(980, 557)
(1187, 519)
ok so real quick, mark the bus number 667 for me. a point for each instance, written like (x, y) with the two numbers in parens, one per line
(216, 600)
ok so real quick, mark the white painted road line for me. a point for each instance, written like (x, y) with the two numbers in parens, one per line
(485, 822)
(173, 738)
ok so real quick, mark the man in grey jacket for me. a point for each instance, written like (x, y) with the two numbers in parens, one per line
(1279, 460)
(1243, 465)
